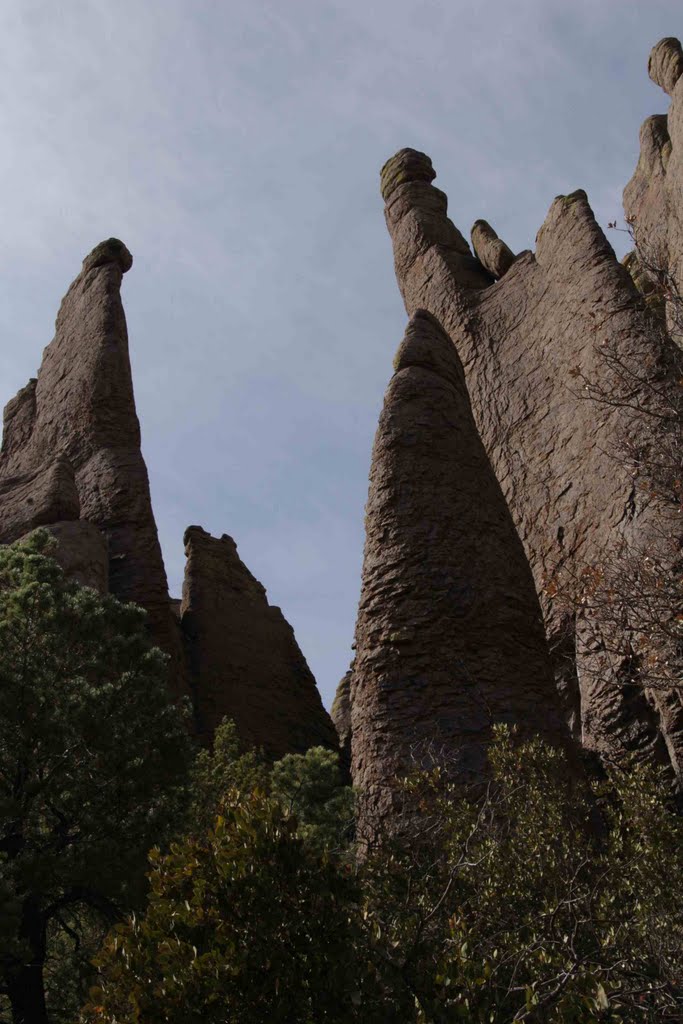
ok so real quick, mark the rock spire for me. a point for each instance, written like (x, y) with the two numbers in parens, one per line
(71, 461)
(244, 660)
(533, 345)
(449, 637)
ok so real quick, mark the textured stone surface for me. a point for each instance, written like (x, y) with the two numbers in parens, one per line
(71, 461)
(73, 437)
(81, 550)
(340, 713)
(38, 497)
(244, 659)
(652, 198)
(490, 250)
(449, 637)
(665, 65)
(527, 342)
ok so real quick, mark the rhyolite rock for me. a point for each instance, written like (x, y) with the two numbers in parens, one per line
(81, 550)
(449, 636)
(37, 497)
(340, 713)
(652, 198)
(244, 660)
(490, 250)
(80, 411)
(71, 462)
(529, 343)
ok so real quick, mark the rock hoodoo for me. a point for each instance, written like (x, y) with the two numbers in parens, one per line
(652, 198)
(449, 637)
(76, 428)
(539, 346)
(490, 250)
(71, 461)
(244, 660)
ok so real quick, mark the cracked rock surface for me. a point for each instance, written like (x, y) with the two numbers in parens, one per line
(449, 636)
(528, 343)
(244, 660)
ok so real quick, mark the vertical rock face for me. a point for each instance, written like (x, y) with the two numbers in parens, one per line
(449, 638)
(533, 348)
(652, 198)
(76, 429)
(244, 660)
(81, 550)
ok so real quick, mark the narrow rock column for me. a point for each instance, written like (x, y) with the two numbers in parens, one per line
(491, 251)
(77, 424)
(652, 198)
(449, 636)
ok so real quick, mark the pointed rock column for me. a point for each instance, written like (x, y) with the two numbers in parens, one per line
(80, 413)
(244, 659)
(492, 252)
(561, 321)
(449, 636)
(652, 198)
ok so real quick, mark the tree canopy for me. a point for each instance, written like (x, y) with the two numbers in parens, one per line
(93, 757)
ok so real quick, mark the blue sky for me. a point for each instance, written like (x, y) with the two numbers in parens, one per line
(235, 148)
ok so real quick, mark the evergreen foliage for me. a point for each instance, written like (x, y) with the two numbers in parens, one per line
(532, 896)
(92, 761)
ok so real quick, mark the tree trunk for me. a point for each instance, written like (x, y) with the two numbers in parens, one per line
(24, 981)
(27, 995)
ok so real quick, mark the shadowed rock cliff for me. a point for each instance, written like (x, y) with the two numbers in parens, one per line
(244, 660)
(449, 637)
(532, 346)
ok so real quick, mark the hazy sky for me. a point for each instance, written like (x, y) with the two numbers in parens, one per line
(234, 146)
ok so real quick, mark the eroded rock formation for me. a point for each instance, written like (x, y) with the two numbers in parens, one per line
(81, 550)
(76, 428)
(490, 250)
(539, 346)
(244, 659)
(652, 198)
(71, 461)
(340, 713)
(449, 637)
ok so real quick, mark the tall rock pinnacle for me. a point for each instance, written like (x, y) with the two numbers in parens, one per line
(449, 637)
(80, 413)
(71, 462)
(533, 345)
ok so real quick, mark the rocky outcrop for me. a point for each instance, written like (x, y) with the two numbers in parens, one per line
(245, 662)
(652, 198)
(449, 636)
(71, 462)
(38, 497)
(81, 550)
(490, 250)
(80, 413)
(539, 347)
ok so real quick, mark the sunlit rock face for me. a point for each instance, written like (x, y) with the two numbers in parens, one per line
(652, 198)
(531, 333)
(449, 637)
